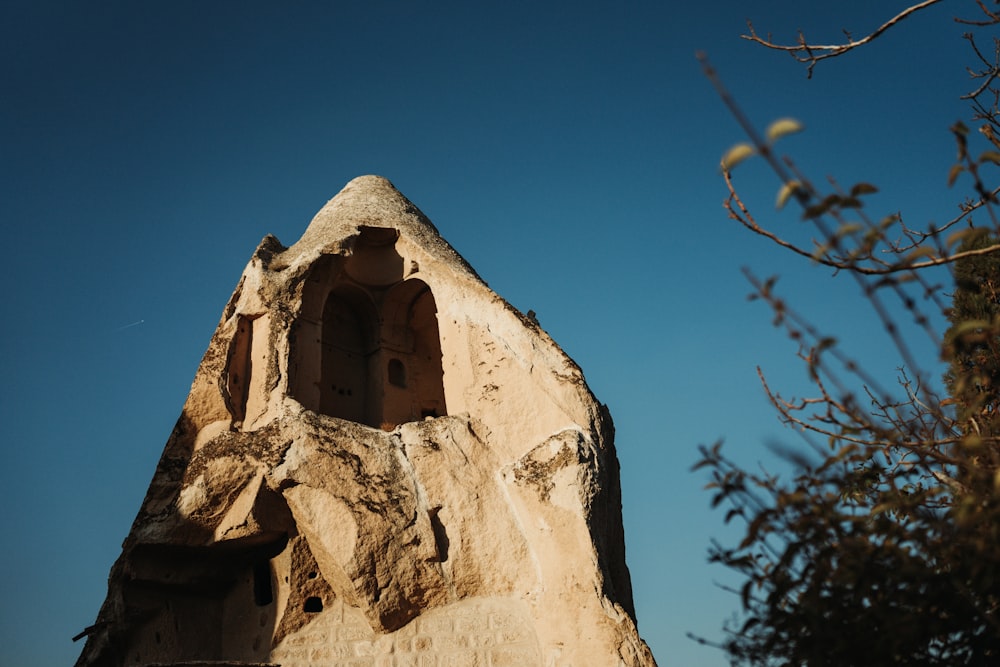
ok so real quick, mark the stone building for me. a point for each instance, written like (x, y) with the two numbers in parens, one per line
(380, 463)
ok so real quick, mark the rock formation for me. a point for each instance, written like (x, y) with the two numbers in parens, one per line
(380, 463)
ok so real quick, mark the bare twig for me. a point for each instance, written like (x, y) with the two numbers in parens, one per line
(811, 54)
(992, 17)
(739, 211)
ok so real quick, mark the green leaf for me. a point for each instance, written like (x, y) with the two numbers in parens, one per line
(783, 127)
(735, 155)
(786, 191)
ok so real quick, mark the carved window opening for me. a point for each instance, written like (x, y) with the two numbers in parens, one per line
(246, 369)
(240, 368)
(397, 373)
(313, 605)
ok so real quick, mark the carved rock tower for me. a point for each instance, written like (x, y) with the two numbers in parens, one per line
(380, 463)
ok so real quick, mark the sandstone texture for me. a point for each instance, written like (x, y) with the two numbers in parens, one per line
(380, 463)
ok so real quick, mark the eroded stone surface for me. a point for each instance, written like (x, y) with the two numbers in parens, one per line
(380, 463)
(478, 632)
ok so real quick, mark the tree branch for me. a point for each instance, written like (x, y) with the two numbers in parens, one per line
(805, 52)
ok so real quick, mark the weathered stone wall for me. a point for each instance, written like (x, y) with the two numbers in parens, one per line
(380, 463)
(471, 633)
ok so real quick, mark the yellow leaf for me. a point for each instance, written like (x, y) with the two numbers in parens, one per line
(967, 236)
(848, 228)
(953, 173)
(888, 221)
(972, 441)
(990, 156)
(735, 155)
(786, 191)
(880, 508)
(924, 251)
(782, 127)
(969, 326)
(820, 251)
(956, 237)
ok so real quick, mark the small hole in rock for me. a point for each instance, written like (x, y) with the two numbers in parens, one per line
(262, 593)
(313, 605)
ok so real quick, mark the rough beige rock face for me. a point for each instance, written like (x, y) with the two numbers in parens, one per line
(380, 463)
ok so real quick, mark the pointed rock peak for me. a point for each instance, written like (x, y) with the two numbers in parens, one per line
(369, 202)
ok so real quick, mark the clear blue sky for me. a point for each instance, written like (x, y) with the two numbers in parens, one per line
(568, 150)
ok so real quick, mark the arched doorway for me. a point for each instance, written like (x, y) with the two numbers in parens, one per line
(411, 354)
(347, 344)
(366, 345)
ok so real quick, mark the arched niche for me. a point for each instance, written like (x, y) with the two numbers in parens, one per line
(348, 349)
(305, 361)
(413, 378)
(366, 345)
